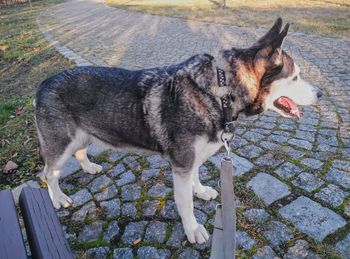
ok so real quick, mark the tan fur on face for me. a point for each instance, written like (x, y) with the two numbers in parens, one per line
(250, 76)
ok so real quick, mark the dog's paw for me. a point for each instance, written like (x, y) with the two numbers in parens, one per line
(62, 201)
(92, 168)
(206, 193)
(197, 235)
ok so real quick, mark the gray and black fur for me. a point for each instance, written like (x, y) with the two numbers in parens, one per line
(150, 109)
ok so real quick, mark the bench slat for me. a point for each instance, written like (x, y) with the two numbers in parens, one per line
(45, 235)
(11, 240)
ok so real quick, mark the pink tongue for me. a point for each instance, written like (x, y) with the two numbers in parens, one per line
(293, 107)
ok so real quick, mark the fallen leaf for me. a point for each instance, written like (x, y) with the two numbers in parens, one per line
(10, 166)
(19, 111)
(137, 241)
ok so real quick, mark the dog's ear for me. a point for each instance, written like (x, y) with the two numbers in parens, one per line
(270, 35)
(272, 50)
(277, 43)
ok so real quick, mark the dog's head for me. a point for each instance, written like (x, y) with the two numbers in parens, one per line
(268, 78)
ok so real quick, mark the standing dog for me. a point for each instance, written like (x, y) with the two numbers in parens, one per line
(175, 110)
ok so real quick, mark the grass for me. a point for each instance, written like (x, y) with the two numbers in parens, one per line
(26, 59)
(325, 17)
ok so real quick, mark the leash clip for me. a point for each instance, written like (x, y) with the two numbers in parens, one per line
(227, 147)
(226, 141)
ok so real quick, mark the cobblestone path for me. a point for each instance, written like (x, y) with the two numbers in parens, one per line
(293, 178)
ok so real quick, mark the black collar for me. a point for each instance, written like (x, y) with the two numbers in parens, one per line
(221, 77)
(225, 102)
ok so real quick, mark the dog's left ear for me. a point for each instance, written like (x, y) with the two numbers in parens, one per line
(272, 50)
(277, 43)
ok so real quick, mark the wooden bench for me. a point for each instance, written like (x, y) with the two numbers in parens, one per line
(45, 235)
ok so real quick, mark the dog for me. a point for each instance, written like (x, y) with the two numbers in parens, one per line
(176, 111)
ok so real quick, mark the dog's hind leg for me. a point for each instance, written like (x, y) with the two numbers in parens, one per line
(203, 192)
(183, 194)
(57, 196)
(85, 163)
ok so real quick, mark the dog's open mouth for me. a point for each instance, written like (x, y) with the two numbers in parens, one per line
(287, 107)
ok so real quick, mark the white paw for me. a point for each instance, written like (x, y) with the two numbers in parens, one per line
(197, 235)
(92, 168)
(206, 193)
(62, 200)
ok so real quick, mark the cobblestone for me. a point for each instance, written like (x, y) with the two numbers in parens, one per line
(244, 241)
(157, 161)
(190, 253)
(131, 192)
(339, 177)
(277, 233)
(97, 252)
(300, 250)
(256, 215)
(311, 218)
(123, 253)
(177, 236)
(343, 247)
(91, 232)
(112, 231)
(133, 232)
(81, 197)
(106, 194)
(98, 183)
(308, 182)
(269, 160)
(117, 170)
(265, 252)
(148, 174)
(169, 210)
(156, 232)
(116, 155)
(158, 190)
(150, 207)
(250, 151)
(268, 188)
(288, 170)
(89, 209)
(312, 163)
(129, 210)
(125, 178)
(332, 194)
(111, 208)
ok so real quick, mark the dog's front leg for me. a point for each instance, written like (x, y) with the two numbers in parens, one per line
(203, 192)
(183, 193)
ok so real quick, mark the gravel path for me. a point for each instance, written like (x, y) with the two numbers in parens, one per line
(293, 186)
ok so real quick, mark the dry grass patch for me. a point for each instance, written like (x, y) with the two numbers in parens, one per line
(325, 17)
(26, 59)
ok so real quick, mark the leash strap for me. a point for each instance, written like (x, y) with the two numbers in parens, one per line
(224, 236)
(228, 208)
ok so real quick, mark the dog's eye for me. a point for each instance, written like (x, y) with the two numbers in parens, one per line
(295, 78)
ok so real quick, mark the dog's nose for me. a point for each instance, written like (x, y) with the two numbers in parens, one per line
(319, 94)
